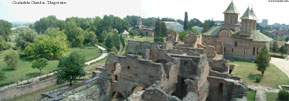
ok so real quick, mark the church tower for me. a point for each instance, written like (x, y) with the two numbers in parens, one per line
(231, 18)
(249, 22)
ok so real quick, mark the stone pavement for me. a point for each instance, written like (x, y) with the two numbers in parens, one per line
(282, 64)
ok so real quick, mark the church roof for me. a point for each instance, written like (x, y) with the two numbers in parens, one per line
(231, 9)
(249, 14)
(256, 36)
(213, 31)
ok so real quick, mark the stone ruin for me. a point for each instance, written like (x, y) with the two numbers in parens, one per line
(192, 71)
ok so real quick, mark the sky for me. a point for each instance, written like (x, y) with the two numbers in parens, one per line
(275, 12)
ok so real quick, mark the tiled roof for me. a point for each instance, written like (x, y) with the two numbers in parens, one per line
(256, 36)
(249, 14)
(232, 9)
(213, 31)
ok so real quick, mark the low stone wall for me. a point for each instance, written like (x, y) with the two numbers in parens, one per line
(25, 89)
(136, 47)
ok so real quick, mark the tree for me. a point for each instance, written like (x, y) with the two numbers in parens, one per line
(287, 39)
(47, 47)
(160, 29)
(3, 44)
(5, 29)
(283, 50)
(275, 47)
(263, 60)
(183, 35)
(70, 68)
(25, 37)
(112, 41)
(208, 24)
(195, 22)
(186, 22)
(90, 38)
(40, 64)
(11, 59)
(132, 32)
(47, 22)
(74, 34)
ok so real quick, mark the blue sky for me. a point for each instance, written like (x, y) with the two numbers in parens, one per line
(201, 9)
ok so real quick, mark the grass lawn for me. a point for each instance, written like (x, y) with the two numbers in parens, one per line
(248, 71)
(251, 95)
(25, 71)
(272, 96)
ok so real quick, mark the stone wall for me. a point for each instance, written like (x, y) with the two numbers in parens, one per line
(136, 47)
(26, 89)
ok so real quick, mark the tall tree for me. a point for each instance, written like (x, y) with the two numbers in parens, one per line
(208, 24)
(70, 68)
(47, 22)
(186, 22)
(74, 34)
(40, 64)
(263, 60)
(160, 29)
(25, 37)
(275, 47)
(283, 50)
(5, 29)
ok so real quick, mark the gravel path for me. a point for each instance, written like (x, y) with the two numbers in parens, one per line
(103, 55)
(282, 64)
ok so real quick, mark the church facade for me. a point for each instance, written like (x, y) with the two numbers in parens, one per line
(237, 41)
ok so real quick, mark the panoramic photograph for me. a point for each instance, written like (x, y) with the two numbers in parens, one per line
(144, 50)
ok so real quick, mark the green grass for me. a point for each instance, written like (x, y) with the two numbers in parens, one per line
(25, 71)
(251, 95)
(272, 96)
(248, 71)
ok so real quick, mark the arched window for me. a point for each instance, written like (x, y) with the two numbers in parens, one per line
(236, 43)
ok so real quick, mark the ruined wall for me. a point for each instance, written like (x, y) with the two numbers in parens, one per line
(136, 47)
(219, 65)
(133, 72)
(222, 89)
(26, 89)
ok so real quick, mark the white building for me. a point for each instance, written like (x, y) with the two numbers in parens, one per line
(174, 25)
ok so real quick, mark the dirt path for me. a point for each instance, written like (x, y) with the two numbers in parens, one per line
(282, 64)
(103, 55)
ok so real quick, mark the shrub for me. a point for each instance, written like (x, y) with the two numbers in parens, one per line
(283, 95)
(11, 59)
(258, 79)
(159, 39)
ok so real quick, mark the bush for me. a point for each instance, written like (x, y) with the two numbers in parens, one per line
(159, 39)
(11, 59)
(258, 79)
(283, 95)
(278, 55)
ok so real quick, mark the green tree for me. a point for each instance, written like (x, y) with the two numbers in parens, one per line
(40, 64)
(5, 29)
(275, 47)
(208, 24)
(195, 22)
(3, 44)
(25, 37)
(186, 22)
(160, 29)
(283, 50)
(90, 38)
(183, 35)
(132, 32)
(11, 59)
(263, 60)
(74, 34)
(47, 22)
(47, 47)
(70, 68)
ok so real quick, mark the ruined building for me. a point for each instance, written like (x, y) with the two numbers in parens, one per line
(243, 42)
(191, 71)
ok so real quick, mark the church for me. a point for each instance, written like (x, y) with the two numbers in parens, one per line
(234, 40)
